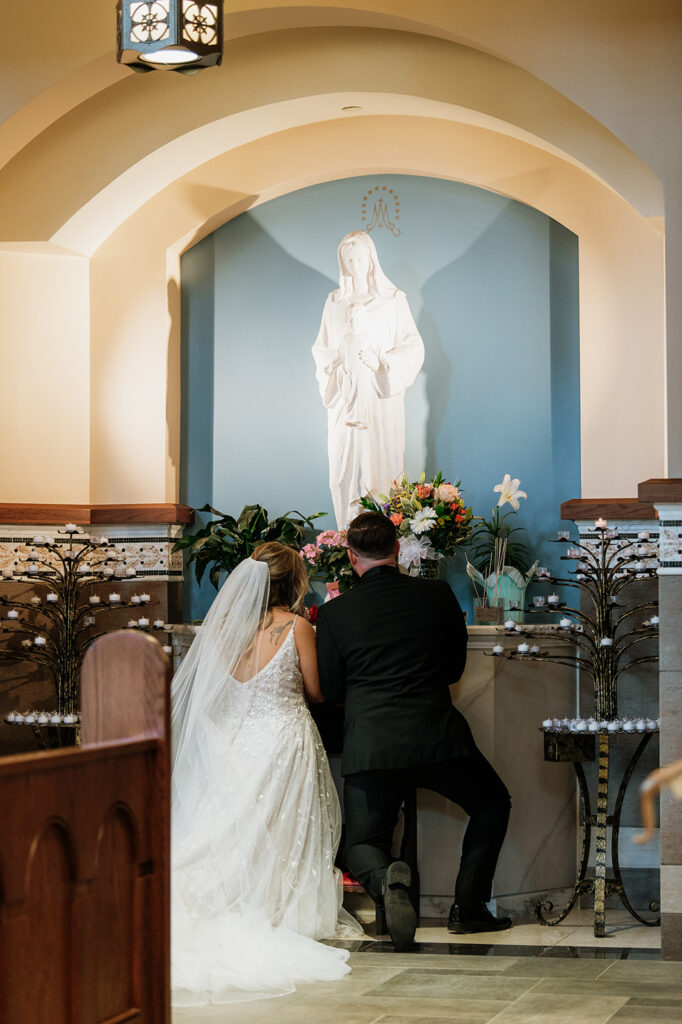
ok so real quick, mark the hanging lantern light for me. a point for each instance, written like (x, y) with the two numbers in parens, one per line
(173, 35)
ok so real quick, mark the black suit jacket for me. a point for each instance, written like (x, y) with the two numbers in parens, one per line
(388, 649)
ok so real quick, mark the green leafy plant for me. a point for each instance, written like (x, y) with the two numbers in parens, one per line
(225, 541)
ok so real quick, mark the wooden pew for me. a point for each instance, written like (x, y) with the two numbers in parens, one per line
(84, 854)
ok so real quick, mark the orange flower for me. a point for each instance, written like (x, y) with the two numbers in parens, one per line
(397, 518)
(423, 490)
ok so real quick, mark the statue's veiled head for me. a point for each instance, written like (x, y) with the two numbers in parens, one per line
(355, 252)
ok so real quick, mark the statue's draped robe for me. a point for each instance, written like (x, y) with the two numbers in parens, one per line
(366, 413)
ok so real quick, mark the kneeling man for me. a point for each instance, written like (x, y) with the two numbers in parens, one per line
(388, 649)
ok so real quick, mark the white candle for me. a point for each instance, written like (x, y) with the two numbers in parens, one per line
(640, 566)
(640, 549)
(39, 540)
(11, 717)
(35, 600)
(654, 620)
(70, 719)
(547, 723)
(606, 641)
(509, 624)
(94, 599)
(600, 524)
(167, 649)
(145, 598)
(132, 624)
(628, 725)
(70, 528)
(640, 725)
(43, 719)
(563, 534)
(114, 598)
(8, 573)
(523, 648)
(553, 599)
(13, 614)
(26, 643)
(104, 541)
(52, 597)
(135, 599)
(55, 719)
(40, 641)
(143, 622)
(566, 623)
(131, 571)
(518, 628)
(84, 568)
(33, 568)
(539, 602)
(159, 623)
(107, 571)
(534, 649)
(498, 649)
(614, 726)
(643, 535)
(30, 718)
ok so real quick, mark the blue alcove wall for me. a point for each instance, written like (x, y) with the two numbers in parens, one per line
(493, 287)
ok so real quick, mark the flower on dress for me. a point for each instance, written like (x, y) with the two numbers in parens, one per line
(509, 492)
(425, 519)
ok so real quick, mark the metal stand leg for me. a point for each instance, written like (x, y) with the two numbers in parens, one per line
(602, 812)
(581, 884)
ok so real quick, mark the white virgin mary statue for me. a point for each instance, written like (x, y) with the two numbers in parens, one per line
(368, 352)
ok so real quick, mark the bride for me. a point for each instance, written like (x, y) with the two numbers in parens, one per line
(254, 810)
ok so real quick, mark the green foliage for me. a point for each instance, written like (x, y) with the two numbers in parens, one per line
(225, 541)
(486, 539)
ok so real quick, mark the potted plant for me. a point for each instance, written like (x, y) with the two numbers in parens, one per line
(225, 541)
(498, 566)
(327, 560)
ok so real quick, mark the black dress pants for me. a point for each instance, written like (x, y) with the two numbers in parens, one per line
(372, 802)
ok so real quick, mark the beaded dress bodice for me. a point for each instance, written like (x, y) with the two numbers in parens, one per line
(276, 691)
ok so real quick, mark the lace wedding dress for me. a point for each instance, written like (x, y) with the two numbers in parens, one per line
(253, 878)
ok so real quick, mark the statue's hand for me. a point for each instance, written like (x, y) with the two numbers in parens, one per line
(369, 359)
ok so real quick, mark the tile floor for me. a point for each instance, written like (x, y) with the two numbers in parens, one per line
(527, 975)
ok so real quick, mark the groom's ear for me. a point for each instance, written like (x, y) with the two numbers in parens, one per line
(352, 557)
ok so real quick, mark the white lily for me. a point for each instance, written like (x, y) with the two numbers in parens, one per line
(509, 492)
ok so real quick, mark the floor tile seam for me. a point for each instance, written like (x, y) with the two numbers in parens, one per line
(513, 1001)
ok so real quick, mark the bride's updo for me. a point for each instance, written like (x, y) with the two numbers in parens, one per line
(288, 576)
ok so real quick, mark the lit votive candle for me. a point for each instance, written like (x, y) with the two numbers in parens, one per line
(542, 570)
(534, 649)
(143, 623)
(132, 624)
(547, 723)
(566, 623)
(498, 649)
(606, 641)
(640, 566)
(523, 648)
(30, 718)
(33, 569)
(70, 719)
(84, 568)
(641, 550)
(539, 602)
(39, 540)
(107, 571)
(600, 524)
(518, 628)
(55, 719)
(52, 597)
(94, 599)
(654, 620)
(135, 599)
(42, 718)
(35, 600)
(145, 598)
(167, 649)
(114, 598)
(553, 599)
(40, 641)
(159, 623)
(70, 528)
(563, 534)
(13, 614)
(643, 535)
(640, 725)
(8, 573)
(130, 571)
(26, 643)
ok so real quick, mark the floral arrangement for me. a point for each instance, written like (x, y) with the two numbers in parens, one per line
(327, 559)
(431, 518)
(494, 555)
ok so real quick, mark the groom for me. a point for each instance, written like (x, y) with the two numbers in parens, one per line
(388, 649)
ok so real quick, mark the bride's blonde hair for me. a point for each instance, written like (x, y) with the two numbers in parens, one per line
(288, 576)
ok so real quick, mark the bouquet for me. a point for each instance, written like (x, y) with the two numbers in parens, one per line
(431, 518)
(327, 559)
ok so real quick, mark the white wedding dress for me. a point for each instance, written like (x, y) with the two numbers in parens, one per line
(253, 878)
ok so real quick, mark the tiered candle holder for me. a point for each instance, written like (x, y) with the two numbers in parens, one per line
(66, 570)
(601, 642)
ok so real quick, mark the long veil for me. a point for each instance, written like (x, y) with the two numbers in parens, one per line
(254, 816)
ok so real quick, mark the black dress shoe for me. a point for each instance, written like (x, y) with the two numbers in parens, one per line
(465, 920)
(401, 919)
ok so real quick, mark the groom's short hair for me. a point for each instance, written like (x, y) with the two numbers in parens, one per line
(371, 535)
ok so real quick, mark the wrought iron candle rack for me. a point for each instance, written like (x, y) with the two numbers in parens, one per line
(68, 568)
(601, 630)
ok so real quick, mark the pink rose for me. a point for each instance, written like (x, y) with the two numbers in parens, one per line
(447, 493)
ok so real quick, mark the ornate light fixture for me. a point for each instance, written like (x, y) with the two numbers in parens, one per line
(173, 35)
